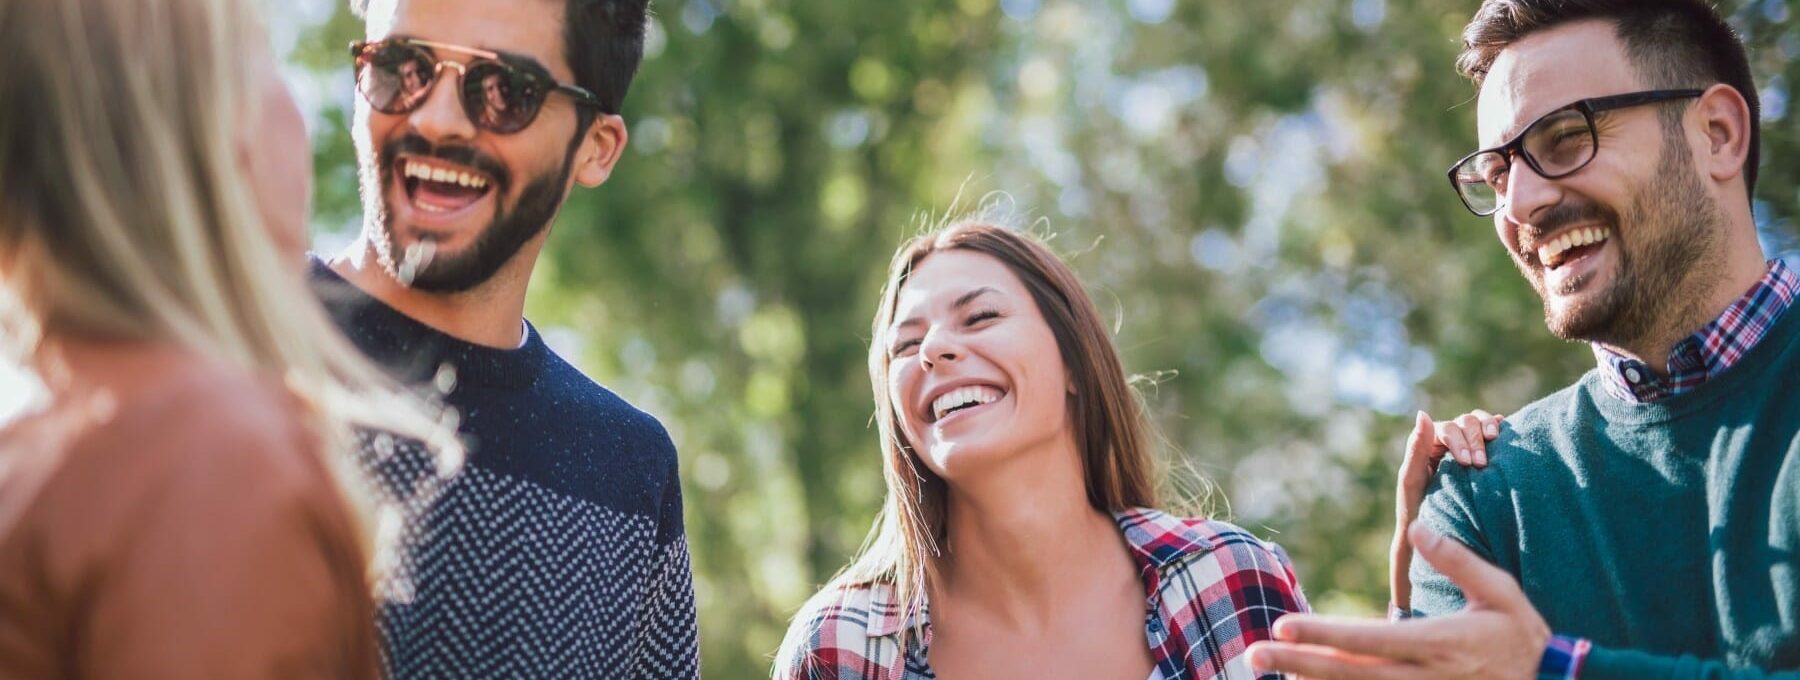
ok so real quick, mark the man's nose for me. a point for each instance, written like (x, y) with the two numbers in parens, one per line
(441, 118)
(1528, 193)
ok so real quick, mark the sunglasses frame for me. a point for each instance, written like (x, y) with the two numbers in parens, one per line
(1587, 107)
(360, 52)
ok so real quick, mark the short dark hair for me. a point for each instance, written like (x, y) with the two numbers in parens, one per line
(1672, 43)
(603, 41)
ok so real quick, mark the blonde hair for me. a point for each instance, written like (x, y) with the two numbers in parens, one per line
(124, 212)
(1113, 436)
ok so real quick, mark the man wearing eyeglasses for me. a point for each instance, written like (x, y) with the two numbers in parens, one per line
(559, 550)
(1644, 522)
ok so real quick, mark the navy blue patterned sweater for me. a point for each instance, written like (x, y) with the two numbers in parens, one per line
(559, 550)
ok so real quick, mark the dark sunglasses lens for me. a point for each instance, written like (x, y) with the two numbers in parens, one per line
(395, 78)
(500, 98)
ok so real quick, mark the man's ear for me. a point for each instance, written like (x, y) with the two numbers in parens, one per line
(600, 150)
(1725, 123)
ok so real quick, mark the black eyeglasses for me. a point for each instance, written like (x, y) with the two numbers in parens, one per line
(1556, 145)
(396, 76)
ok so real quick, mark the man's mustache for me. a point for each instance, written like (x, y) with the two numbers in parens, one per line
(1563, 215)
(414, 145)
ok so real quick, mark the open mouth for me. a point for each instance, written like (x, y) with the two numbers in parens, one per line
(437, 188)
(964, 399)
(1572, 246)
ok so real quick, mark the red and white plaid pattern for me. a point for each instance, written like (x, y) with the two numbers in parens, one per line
(1213, 588)
(1711, 350)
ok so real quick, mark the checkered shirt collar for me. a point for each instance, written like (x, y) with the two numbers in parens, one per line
(1157, 540)
(1710, 351)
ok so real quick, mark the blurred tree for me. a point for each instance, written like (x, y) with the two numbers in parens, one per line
(1254, 189)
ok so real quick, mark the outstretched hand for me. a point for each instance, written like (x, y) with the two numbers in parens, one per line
(1499, 634)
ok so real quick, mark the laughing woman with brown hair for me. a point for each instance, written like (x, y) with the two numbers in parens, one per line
(1018, 537)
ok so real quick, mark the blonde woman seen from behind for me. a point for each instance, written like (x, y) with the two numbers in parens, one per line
(184, 504)
(1019, 537)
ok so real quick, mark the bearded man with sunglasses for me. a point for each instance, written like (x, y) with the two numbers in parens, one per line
(559, 549)
(1644, 522)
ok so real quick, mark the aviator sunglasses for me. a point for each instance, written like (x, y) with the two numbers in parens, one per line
(396, 76)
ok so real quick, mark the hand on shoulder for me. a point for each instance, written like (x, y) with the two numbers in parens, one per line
(1464, 439)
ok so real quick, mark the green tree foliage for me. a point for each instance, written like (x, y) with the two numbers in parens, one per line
(1254, 189)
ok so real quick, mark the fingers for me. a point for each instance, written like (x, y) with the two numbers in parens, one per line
(1450, 435)
(1474, 432)
(1483, 583)
(1315, 661)
(1416, 469)
(1422, 442)
(1366, 637)
(1467, 435)
(1490, 423)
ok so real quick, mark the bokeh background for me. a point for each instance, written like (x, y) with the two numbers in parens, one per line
(1253, 190)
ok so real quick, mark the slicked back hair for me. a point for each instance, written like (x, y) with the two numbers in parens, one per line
(1673, 44)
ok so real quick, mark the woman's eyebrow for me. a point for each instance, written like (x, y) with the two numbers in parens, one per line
(961, 301)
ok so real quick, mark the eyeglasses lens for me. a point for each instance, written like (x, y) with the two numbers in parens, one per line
(1560, 144)
(1557, 146)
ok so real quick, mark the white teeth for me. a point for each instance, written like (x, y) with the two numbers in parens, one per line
(1550, 254)
(963, 396)
(415, 169)
(1549, 251)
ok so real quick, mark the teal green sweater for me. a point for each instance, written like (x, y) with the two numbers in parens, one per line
(1668, 534)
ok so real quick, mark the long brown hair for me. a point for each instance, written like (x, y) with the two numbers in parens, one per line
(1112, 435)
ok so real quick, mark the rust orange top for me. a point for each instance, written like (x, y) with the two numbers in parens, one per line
(168, 516)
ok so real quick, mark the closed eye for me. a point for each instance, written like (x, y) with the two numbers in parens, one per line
(902, 347)
(983, 315)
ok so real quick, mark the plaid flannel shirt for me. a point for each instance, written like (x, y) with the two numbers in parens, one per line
(1211, 589)
(1709, 351)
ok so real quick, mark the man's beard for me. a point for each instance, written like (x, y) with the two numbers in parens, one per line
(421, 266)
(1674, 233)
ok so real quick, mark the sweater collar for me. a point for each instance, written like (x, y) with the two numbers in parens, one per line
(418, 353)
